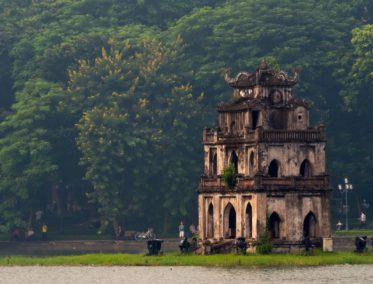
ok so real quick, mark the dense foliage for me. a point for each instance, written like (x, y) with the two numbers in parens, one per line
(103, 101)
(229, 175)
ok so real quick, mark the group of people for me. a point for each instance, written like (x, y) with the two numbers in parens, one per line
(30, 235)
(182, 232)
(362, 222)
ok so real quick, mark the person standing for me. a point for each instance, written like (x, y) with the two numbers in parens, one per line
(363, 220)
(44, 232)
(339, 225)
(39, 216)
(192, 229)
(30, 234)
(120, 235)
(181, 230)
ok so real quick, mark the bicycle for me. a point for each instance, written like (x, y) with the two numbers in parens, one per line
(143, 236)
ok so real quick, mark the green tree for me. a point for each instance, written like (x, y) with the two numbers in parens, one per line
(25, 152)
(352, 147)
(135, 115)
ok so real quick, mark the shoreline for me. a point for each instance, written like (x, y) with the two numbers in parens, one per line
(174, 259)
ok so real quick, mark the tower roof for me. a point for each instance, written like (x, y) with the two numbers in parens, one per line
(263, 76)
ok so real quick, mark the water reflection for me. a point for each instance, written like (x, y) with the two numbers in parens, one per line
(350, 274)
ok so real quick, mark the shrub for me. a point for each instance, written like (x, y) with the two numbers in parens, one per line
(264, 245)
(229, 176)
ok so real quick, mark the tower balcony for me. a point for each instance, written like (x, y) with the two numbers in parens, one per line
(218, 136)
(260, 183)
(309, 135)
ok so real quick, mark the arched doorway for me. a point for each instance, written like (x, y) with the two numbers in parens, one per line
(234, 160)
(305, 169)
(274, 226)
(251, 164)
(309, 226)
(273, 169)
(229, 222)
(249, 221)
(210, 222)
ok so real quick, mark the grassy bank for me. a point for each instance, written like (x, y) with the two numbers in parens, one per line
(227, 260)
(353, 233)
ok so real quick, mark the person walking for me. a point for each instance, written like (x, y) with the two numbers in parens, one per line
(44, 232)
(181, 230)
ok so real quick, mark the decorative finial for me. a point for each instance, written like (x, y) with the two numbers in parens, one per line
(263, 65)
(227, 73)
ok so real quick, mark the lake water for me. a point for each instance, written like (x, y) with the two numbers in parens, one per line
(350, 274)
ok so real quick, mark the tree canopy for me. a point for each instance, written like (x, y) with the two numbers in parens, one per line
(106, 99)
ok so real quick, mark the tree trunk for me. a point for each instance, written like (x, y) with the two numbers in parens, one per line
(166, 224)
(115, 226)
(30, 219)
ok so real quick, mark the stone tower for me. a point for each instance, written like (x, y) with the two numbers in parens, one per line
(279, 159)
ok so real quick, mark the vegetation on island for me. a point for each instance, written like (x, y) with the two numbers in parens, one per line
(217, 260)
(103, 101)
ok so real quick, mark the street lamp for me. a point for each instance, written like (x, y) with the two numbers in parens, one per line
(344, 188)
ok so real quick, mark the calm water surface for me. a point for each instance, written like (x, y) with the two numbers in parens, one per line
(87, 274)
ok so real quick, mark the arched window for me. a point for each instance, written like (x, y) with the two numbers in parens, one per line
(251, 164)
(274, 226)
(305, 169)
(214, 165)
(273, 169)
(210, 222)
(229, 221)
(249, 221)
(234, 160)
(254, 119)
(233, 127)
(309, 226)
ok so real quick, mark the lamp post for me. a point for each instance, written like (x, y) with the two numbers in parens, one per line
(344, 188)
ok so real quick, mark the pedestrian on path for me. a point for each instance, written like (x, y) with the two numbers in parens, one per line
(44, 232)
(30, 234)
(181, 230)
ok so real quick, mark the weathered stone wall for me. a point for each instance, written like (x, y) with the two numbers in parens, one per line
(291, 155)
(291, 207)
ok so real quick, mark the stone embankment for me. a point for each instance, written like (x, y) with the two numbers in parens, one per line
(81, 246)
(348, 243)
(127, 246)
